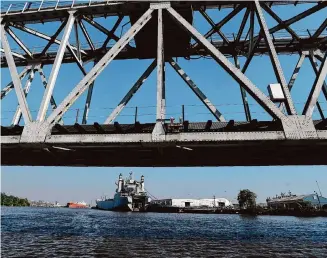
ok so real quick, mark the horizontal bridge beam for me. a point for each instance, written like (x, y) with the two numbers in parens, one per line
(163, 154)
(283, 46)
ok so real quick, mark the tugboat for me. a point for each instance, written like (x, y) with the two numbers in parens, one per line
(130, 196)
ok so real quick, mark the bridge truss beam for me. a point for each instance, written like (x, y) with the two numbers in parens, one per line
(44, 132)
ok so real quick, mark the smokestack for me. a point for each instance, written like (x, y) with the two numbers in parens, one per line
(120, 183)
(142, 183)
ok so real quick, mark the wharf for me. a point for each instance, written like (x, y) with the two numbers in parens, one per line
(254, 212)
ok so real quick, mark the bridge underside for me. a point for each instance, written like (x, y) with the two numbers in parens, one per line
(237, 153)
(188, 144)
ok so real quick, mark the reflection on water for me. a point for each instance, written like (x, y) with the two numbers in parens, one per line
(61, 232)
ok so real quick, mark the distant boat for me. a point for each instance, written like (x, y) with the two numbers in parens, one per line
(130, 196)
(77, 205)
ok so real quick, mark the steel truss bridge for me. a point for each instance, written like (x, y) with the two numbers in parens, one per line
(162, 31)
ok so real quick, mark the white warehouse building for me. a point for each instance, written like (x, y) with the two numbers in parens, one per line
(217, 202)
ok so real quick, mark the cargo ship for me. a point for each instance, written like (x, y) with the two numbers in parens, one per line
(77, 205)
(130, 196)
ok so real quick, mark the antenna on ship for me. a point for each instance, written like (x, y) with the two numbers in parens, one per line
(318, 188)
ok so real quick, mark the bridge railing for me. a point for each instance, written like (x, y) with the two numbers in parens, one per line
(14, 7)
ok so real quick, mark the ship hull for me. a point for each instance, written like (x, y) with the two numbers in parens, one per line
(76, 205)
(116, 204)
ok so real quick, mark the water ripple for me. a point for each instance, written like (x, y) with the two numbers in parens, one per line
(59, 232)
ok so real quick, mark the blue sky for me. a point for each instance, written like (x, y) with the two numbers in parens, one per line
(64, 184)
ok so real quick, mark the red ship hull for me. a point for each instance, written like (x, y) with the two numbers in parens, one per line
(76, 206)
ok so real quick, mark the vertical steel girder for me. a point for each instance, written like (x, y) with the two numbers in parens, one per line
(131, 93)
(251, 30)
(10, 85)
(197, 91)
(243, 23)
(275, 61)
(316, 89)
(19, 42)
(86, 35)
(98, 68)
(245, 67)
(256, 93)
(243, 94)
(161, 94)
(55, 69)
(294, 76)
(250, 55)
(296, 71)
(88, 102)
(45, 84)
(18, 114)
(78, 45)
(315, 67)
(15, 77)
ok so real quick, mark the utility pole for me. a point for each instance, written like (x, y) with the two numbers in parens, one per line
(77, 115)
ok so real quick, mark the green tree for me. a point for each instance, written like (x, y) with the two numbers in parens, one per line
(246, 199)
(9, 200)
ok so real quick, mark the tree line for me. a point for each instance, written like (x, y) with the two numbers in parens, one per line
(10, 200)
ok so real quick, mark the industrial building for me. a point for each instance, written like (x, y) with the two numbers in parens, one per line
(297, 201)
(216, 202)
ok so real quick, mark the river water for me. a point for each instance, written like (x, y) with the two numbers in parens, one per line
(62, 232)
